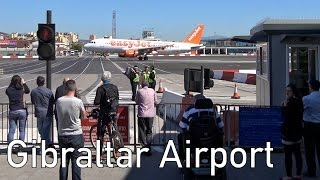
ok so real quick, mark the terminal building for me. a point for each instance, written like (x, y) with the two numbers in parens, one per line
(226, 46)
(288, 51)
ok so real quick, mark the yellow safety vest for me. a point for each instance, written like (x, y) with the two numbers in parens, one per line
(145, 76)
(136, 79)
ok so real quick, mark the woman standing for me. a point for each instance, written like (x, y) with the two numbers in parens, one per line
(292, 130)
(18, 112)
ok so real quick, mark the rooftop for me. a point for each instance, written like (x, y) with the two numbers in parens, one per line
(286, 25)
(217, 37)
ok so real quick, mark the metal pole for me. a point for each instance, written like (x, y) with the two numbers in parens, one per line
(202, 80)
(49, 21)
(135, 130)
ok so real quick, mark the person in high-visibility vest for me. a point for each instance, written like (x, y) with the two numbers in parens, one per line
(152, 78)
(145, 74)
(134, 80)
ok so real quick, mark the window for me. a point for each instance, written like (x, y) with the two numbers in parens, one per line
(262, 59)
(259, 50)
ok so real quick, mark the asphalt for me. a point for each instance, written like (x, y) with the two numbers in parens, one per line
(86, 70)
(176, 65)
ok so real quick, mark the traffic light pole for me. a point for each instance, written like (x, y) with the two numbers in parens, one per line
(49, 21)
(202, 80)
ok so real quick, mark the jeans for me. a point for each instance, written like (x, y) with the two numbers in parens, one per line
(134, 86)
(289, 150)
(14, 117)
(312, 146)
(56, 117)
(145, 130)
(44, 127)
(71, 141)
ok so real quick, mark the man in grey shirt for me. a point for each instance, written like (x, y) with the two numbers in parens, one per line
(69, 109)
(43, 100)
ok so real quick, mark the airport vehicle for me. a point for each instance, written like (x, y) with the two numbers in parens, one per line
(142, 48)
(111, 134)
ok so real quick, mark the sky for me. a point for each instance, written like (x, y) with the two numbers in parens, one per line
(170, 19)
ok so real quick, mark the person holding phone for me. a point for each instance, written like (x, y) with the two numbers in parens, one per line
(292, 131)
(17, 107)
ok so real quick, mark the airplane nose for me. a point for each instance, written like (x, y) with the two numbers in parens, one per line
(86, 46)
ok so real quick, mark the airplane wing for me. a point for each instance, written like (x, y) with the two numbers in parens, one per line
(149, 49)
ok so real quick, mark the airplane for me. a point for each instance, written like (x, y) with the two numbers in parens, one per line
(141, 48)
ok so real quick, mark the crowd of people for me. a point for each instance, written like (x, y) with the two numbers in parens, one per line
(68, 109)
(136, 77)
(301, 124)
(301, 116)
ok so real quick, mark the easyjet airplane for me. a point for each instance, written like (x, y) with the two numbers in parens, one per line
(141, 48)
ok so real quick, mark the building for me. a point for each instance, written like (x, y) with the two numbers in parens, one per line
(31, 36)
(92, 37)
(15, 44)
(68, 38)
(288, 51)
(148, 34)
(226, 45)
(4, 36)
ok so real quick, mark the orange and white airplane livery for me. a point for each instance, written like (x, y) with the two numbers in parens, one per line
(141, 48)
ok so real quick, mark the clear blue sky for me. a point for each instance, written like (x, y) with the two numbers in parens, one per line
(171, 19)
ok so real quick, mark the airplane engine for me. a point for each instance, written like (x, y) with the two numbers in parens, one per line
(129, 53)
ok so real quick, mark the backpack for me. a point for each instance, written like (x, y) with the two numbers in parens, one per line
(128, 72)
(152, 75)
(112, 98)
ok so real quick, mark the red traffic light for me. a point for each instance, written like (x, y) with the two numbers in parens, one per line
(46, 40)
(45, 33)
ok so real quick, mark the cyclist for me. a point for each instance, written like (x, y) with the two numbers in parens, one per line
(107, 96)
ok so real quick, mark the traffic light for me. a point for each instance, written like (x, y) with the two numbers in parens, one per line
(192, 80)
(208, 83)
(46, 38)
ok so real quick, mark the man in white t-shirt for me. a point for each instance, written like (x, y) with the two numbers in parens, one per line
(70, 111)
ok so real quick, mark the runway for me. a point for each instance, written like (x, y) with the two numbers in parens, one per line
(86, 71)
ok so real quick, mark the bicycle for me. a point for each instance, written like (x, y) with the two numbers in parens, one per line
(110, 129)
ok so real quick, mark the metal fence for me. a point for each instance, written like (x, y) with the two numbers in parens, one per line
(165, 125)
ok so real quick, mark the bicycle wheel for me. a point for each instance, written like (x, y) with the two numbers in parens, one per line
(116, 143)
(93, 136)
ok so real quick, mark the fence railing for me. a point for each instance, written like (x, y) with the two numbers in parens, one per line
(165, 124)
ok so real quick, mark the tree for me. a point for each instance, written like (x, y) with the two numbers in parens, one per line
(77, 46)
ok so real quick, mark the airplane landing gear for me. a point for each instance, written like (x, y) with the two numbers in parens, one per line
(145, 58)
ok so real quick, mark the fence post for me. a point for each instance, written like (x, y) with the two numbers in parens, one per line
(135, 130)
(165, 124)
(229, 124)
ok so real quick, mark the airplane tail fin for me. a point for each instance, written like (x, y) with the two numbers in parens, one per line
(195, 36)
